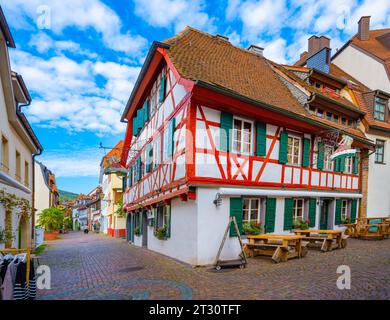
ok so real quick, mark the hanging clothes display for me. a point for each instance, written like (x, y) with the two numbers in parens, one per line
(17, 275)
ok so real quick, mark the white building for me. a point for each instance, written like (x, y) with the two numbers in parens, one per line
(366, 57)
(18, 147)
(216, 131)
(46, 191)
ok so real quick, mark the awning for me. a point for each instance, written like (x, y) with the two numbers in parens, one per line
(286, 193)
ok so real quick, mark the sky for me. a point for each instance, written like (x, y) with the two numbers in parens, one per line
(81, 58)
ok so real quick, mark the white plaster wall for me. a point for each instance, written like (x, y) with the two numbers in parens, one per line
(364, 68)
(182, 244)
(42, 192)
(378, 202)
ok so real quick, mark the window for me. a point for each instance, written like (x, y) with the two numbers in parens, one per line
(336, 118)
(344, 121)
(4, 163)
(380, 151)
(328, 163)
(242, 136)
(294, 150)
(329, 116)
(348, 164)
(18, 174)
(312, 108)
(344, 209)
(162, 216)
(137, 220)
(320, 113)
(380, 109)
(251, 210)
(26, 174)
(298, 209)
(157, 152)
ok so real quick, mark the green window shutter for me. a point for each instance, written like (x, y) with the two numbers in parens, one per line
(124, 183)
(130, 176)
(283, 144)
(288, 213)
(135, 126)
(169, 145)
(353, 210)
(226, 128)
(162, 87)
(139, 120)
(261, 139)
(270, 213)
(336, 167)
(146, 110)
(306, 152)
(356, 164)
(236, 205)
(140, 222)
(169, 222)
(312, 212)
(342, 164)
(148, 157)
(320, 156)
(139, 174)
(337, 219)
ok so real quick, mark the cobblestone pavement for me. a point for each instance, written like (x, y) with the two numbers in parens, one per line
(98, 267)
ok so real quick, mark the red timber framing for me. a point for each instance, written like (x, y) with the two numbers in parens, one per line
(163, 183)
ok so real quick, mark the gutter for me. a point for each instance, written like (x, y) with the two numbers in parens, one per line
(264, 105)
(152, 50)
(5, 29)
(286, 193)
(33, 196)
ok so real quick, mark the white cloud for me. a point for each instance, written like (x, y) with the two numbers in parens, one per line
(68, 95)
(275, 50)
(177, 13)
(82, 15)
(73, 163)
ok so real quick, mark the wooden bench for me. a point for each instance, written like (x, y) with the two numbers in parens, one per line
(326, 240)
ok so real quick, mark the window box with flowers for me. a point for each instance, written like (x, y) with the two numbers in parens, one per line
(252, 228)
(300, 224)
(162, 220)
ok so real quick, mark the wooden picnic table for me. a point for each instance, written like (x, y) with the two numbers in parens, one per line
(351, 229)
(280, 247)
(382, 230)
(327, 237)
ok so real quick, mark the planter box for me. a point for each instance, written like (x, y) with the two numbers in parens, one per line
(49, 236)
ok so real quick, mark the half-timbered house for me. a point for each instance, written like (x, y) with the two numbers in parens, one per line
(214, 131)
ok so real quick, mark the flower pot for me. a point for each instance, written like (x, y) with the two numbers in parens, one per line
(49, 236)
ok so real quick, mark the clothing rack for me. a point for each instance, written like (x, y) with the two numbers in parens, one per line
(28, 256)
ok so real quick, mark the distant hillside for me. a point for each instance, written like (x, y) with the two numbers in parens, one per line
(67, 196)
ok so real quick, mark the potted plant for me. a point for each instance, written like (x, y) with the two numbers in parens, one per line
(137, 231)
(161, 233)
(346, 220)
(51, 219)
(252, 228)
(300, 224)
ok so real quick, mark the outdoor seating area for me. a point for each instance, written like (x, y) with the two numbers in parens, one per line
(326, 240)
(376, 228)
(280, 248)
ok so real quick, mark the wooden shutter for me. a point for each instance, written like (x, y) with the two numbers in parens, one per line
(236, 211)
(306, 152)
(270, 213)
(283, 145)
(226, 128)
(130, 176)
(139, 120)
(135, 126)
(162, 87)
(170, 143)
(124, 183)
(288, 213)
(320, 156)
(139, 174)
(168, 234)
(356, 164)
(141, 216)
(342, 164)
(146, 110)
(353, 210)
(261, 139)
(312, 212)
(336, 167)
(337, 219)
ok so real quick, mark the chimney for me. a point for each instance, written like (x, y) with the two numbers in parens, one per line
(222, 37)
(364, 28)
(315, 44)
(256, 50)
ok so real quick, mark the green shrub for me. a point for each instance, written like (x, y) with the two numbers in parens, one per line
(161, 233)
(51, 219)
(252, 228)
(301, 225)
(137, 231)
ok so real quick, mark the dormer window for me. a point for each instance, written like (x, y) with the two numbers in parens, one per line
(380, 109)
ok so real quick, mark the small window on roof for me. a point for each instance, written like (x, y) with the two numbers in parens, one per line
(344, 121)
(336, 118)
(329, 116)
(320, 113)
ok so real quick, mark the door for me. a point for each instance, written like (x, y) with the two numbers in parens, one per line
(324, 215)
(128, 227)
(144, 229)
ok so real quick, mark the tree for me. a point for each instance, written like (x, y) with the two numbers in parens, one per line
(119, 211)
(51, 219)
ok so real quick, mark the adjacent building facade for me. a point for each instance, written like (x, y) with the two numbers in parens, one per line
(94, 209)
(18, 147)
(111, 180)
(366, 57)
(46, 191)
(215, 131)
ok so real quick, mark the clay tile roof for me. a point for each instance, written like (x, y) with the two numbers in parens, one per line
(201, 56)
(115, 152)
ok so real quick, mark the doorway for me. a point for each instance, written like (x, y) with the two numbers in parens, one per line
(324, 210)
(129, 227)
(145, 229)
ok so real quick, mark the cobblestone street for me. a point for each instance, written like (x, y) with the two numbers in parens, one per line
(98, 267)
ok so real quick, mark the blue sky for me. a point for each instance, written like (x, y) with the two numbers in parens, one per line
(80, 58)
